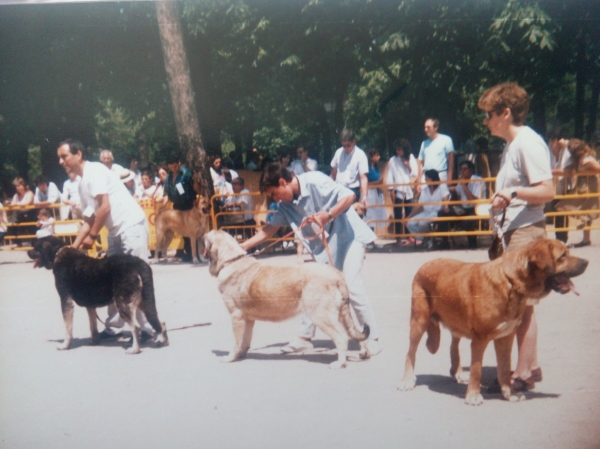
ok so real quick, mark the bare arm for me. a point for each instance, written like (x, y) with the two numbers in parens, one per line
(333, 174)
(364, 186)
(266, 232)
(93, 224)
(538, 193)
(450, 166)
(420, 174)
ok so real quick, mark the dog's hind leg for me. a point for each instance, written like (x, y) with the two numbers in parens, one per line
(336, 330)
(93, 325)
(148, 307)
(420, 318)
(456, 370)
(433, 336)
(503, 348)
(68, 307)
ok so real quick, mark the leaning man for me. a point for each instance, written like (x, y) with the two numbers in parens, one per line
(105, 201)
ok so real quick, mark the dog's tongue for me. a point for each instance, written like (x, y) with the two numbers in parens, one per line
(36, 262)
(563, 284)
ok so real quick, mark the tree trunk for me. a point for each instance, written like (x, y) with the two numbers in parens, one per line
(182, 93)
(593, 115)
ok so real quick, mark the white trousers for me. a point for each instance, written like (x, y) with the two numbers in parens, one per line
(132, 241)
(421, 226)
(359, 300)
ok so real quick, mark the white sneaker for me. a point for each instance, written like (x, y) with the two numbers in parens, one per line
(373, 347)
(297, 345)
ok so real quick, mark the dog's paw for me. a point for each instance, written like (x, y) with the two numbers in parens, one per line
(462, 377)
(515, 397)
(228, 359)
(406, 385)
(133, 350)
(474, 399)
(337, 365)
(64, 346)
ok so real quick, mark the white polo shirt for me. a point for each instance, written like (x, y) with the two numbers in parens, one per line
(125, 211)
(350, 166)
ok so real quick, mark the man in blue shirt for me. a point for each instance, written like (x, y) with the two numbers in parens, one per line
(314, 197)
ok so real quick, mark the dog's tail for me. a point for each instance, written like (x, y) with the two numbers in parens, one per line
(347, 320)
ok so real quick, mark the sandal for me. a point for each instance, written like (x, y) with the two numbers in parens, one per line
(536, 374)
(529, 384)
(522, 385)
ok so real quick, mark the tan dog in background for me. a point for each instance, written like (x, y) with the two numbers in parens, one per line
(188, 223)
(253, 291)
(484, 302)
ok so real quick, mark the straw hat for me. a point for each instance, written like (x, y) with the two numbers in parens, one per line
(126, 175)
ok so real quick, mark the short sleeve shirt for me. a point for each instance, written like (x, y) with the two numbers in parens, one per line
(318, 192)
(71, 190)
(434, 153)
(399, 173)
(525, 161)
(350, 166)
(477, 188)
(125, 211)
(437, 196)
(52, 194)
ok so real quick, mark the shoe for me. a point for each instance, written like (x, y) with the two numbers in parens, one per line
(430, 244)
(580, 244)
(373, 347)
(145, 337)
(105, 335)
(419, 242)
(297, 345)
(522, 385)
(537, 374)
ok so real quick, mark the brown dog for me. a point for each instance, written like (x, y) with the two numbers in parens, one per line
(484, 302)
(253, 291)
(189, 223)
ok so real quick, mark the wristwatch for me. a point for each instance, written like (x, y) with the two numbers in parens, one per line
(513, 193)
(330, 216)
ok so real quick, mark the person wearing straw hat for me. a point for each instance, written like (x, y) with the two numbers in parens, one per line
(311, 201)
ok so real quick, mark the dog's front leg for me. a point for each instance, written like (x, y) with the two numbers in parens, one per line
(93, 325)
(456, 370)
(240, 328)
(68, 307)
(473, 396)
(503, 348)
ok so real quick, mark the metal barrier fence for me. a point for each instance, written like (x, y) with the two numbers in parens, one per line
(579, 204)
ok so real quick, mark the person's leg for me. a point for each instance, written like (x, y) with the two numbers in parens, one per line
(398, 228)
(527, 344)
(114, 324)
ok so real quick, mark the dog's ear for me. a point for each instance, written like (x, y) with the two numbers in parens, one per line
(541, 256)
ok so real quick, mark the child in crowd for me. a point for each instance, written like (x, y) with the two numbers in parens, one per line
(45, 223)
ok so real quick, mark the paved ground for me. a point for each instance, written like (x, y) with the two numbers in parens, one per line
(182, 397)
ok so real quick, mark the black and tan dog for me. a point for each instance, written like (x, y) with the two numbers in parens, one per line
(123, 280)
(484, 302)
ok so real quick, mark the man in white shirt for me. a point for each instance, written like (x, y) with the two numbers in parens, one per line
(107, 158)
(350, 166)
(437, 152)
(46, 192)
(473, 190)
(106, 202)
(303, 164)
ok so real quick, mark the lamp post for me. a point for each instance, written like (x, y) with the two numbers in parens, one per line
(330, 109)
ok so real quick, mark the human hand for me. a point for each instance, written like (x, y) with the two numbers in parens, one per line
(88, 242)
(501, 199)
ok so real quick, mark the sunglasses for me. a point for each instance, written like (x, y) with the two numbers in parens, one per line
(488, 115)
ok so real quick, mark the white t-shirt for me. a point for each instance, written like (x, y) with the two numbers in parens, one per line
(525, 161)
(350, 166)
(3, 219)
(434, 153)
(46, 228)
(439, 194)
(399, 173)
(124, 210)
(71, 190)
(247, 204)
(298, 168)
(560, 163)
(52, 194)
(478, 189)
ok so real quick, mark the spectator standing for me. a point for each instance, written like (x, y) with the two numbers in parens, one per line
(437, 152)
(133, 168)
(45, 223)
(107, 158)
(375, 201)
(432, 193)
(70, 197)
(561, 164)
(179, 188)
(473, 190)
(350, 167)
(303, 163)
(106, 202)
(46, 192)
(586, 170)
(523, 185)
(314, 198)
(402, 169)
